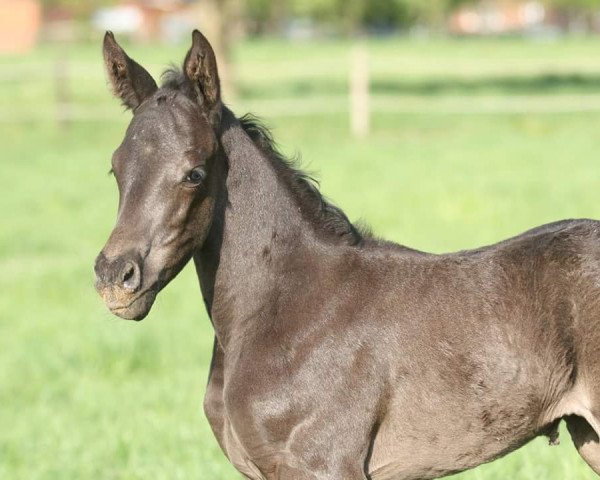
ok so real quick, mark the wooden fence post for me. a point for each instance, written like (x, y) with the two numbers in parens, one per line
(359, 92)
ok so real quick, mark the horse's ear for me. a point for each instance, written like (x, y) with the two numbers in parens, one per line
(200, 68)
(130, 81)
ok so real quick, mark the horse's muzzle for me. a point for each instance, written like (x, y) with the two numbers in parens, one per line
(119, 283)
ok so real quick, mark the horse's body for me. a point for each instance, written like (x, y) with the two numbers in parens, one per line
(339, 356)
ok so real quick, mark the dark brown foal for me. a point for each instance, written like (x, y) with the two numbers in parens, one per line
(337, 355)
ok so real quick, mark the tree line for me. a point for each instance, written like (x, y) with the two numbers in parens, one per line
(355, 15)
(270, 16)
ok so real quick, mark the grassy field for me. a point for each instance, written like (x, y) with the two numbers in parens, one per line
(471, 142)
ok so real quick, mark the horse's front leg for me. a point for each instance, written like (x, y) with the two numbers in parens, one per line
(214, 409)
(213, 399)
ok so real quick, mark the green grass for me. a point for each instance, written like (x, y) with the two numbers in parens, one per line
(85, 395)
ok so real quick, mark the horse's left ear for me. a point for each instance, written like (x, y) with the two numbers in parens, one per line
(200, 68)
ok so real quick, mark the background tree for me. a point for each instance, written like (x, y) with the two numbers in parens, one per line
(578, 15)
(360, 15)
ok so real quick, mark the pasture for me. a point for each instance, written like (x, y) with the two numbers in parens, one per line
(472, 142)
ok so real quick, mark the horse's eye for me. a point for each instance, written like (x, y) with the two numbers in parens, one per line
(196, 175)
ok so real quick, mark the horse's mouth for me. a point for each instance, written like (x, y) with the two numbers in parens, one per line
(136, 309)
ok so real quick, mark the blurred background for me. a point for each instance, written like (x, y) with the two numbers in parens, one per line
(444, 124)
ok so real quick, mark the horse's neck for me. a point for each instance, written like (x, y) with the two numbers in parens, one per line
(257, 228)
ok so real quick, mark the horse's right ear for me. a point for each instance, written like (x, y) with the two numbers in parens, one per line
(129, 80)
(200, 68)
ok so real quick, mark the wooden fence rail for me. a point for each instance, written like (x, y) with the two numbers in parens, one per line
(65, 79)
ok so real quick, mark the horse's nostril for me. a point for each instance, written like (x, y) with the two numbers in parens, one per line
(130, 276)
(128, 273)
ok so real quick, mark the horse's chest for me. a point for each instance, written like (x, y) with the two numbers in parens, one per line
(239, 432)
(237, 452)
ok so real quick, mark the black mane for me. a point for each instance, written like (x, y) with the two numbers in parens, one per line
(313, 204)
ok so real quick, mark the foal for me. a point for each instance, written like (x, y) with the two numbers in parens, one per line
(336, 355)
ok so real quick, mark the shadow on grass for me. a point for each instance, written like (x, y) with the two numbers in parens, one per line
(550, 83)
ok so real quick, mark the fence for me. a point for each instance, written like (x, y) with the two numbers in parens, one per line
(64, 89)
